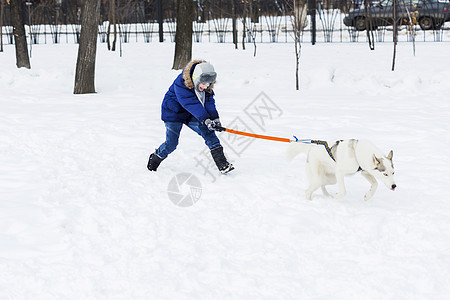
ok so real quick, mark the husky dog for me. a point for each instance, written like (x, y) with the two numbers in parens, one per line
(344, 158)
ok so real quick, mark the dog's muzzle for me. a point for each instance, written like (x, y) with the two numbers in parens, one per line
(393, 187)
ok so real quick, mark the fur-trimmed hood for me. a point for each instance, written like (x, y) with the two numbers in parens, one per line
(187, 75)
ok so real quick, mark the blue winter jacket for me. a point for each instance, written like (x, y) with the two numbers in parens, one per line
(180, 103)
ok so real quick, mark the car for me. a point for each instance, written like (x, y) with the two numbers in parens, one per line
(429, 14)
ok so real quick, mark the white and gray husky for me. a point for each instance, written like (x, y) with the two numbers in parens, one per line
(344, 158)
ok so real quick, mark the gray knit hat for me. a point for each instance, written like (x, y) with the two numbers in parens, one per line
(203, 73)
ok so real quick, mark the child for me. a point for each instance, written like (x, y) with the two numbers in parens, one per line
(190, 101)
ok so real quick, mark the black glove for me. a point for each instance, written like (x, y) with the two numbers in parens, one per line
(214, 125)
(218, 125)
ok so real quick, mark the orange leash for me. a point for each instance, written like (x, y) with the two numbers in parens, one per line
(258, 136)
(279, 139)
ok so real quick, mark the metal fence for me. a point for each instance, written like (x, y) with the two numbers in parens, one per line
(260, 21)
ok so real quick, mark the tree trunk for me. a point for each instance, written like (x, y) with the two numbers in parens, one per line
(1, 25)
(298, 9)
(298, 48)
(112, 18)
(233, 17)
(85, 71)
(395, 35)
(22, 59)
(108, 33)
(369, 24)
(244, 24)
(183, 35)
(115, 29)
(312, 6)
(160, 20)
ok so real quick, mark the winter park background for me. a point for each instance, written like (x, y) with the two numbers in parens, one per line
(82, 218)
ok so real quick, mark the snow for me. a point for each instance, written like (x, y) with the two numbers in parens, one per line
(82, 218)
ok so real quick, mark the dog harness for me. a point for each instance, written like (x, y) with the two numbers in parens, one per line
(318, 142)
(330, 150)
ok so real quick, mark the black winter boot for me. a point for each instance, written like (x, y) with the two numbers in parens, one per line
(221, 161)
(154, 161)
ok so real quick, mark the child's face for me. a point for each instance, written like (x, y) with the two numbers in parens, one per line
(203, 86)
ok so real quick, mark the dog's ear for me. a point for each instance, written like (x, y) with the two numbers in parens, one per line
(376, 161)
(390, 155)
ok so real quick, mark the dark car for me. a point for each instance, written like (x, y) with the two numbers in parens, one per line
(429, 14)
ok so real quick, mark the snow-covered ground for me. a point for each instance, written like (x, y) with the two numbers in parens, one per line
(82, 218)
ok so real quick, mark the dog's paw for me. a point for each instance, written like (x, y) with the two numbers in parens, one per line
(339, 195)
(368, 196)
(325, 192)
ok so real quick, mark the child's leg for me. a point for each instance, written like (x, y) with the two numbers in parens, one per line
(172, 135)
(213, 143)
(210, 137)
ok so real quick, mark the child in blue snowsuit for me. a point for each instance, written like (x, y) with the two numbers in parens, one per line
(190, 101)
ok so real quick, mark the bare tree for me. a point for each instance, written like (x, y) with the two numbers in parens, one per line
(22, 58)
(410, 27)
(183, 34)
(233, 18)
(244, 23)
(395, 34)
(300, 14)
(298, 20)
(369, 24)
(112, 18)
(85, 71)
(251, 11)
(1, 25)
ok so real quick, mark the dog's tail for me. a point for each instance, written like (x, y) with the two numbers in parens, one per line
(296, 148)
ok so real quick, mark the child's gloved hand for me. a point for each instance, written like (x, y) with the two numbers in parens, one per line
(218, 125)
(214, 125)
